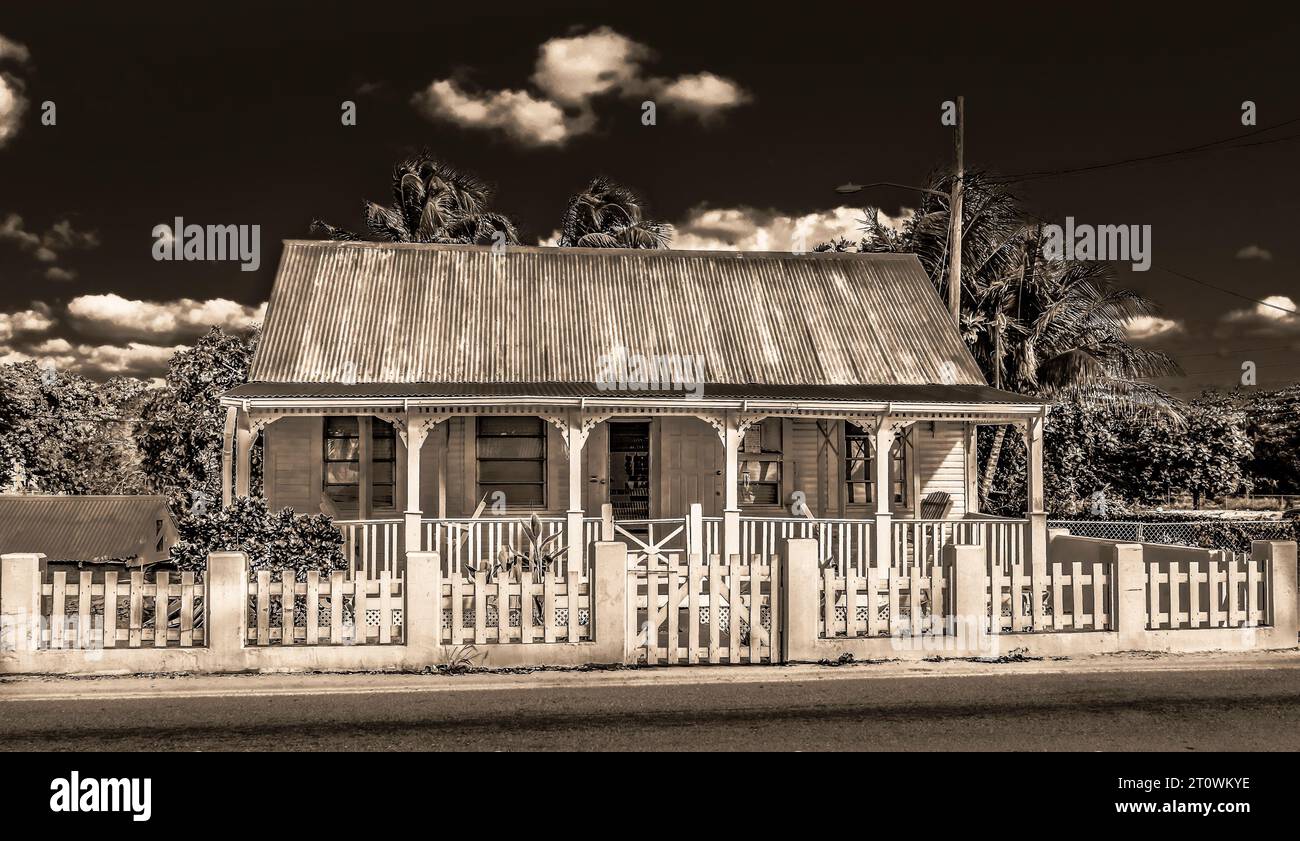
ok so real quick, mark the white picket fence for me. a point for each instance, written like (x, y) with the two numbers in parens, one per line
(121, 611)
(331, 610)
(512, 607)
(1222, 590)
(681, 610)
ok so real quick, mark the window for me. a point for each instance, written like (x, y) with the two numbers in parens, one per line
(859, 468)
(342, 461)
(345, 458)
(383, 462)
(512, 460)
(760, 464)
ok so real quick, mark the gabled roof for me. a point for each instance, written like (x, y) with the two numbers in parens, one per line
(84, 528)
(351, 314)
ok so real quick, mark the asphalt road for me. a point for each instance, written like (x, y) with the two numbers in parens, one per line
(1238, 709)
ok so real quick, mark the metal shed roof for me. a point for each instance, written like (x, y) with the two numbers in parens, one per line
(83, 528)
(937, 394)
(398, 313)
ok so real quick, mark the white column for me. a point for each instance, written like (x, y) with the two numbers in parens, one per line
(444, 453)
(413, 434)
(971, 444)
(243, 454)
(575, 437)
(1036, 514)
(227, 465)
(731, 487)
(883, 441)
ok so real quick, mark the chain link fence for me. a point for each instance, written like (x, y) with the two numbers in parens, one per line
(1235, 535)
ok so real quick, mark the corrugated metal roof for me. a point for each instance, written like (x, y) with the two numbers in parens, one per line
(813, 393)
(346, 312)
(82, 528)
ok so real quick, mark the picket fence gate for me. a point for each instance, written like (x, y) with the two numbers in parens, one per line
(691, 612)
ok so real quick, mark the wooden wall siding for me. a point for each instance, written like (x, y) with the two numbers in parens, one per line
(294, 462)
(685, 460)
(941, 462)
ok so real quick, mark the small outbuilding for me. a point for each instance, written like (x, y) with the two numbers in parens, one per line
(81, 531)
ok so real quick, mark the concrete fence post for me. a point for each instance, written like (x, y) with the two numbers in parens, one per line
(422, 620)
(1280, 558)
(800, 598)
(20, 602)
(607, 522)
(970, 622)
(1128, 614)
(227, 605)
(609, 602)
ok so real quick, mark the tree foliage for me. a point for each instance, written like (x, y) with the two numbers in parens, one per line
(62, 433)
(181, 425)
(608, 215)
(432, 202)
(1130, 459)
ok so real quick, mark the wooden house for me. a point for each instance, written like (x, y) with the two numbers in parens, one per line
(402, 386)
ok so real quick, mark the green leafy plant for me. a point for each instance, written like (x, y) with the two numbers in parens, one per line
(273, 541)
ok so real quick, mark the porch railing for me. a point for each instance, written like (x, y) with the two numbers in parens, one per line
(459, 540)
(371, 547)
(374, 546)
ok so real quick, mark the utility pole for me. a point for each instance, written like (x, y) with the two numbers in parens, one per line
(954, 212)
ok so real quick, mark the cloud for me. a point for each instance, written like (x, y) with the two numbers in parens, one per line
(1141, 327)
(35, 320)
(572, 70)
(752, 229)
(571, 73)
(1254, 252)
(47, 247)
(1275, 315)
(525, 118)
(13, 51)
(135, 359)
(12, 107)
(703, 94)
(114, 315)
(59, 274)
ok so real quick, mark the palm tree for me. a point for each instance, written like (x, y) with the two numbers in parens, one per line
(608, 215)
(1055, 329)
(433, 202)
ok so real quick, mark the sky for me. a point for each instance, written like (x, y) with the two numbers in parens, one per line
(232, 114)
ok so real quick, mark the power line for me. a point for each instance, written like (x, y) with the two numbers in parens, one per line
(1188, 150)
(1205, 283)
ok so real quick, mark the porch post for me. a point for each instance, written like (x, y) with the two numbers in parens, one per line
(227, 466)
(731, 490)
(971, 445)
(444, 452)
(884, 440)
(243, 454)
(574, 439)
(413, 432)
(1036, 533)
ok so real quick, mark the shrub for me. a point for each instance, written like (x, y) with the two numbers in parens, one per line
(279, 541)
